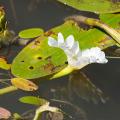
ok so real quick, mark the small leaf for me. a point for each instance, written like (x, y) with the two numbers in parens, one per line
(4, 113)
(24, 84)
(33, 100)
(30, 33)
(4, 65)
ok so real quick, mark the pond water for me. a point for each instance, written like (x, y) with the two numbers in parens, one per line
(47, 14)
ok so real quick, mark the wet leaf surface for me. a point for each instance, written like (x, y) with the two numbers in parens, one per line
(96, 6)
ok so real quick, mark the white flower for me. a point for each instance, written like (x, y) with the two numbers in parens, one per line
(75, 56)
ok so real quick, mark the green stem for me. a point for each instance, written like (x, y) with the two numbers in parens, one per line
(95, 22)
(66, 71)
(7, 90)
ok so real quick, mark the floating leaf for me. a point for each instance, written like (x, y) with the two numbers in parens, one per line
(4, 113)
(4, 65)
(24, 84)
(33, 100)
(38, 59)
(96, 6)
(30, 33)
(84, 88)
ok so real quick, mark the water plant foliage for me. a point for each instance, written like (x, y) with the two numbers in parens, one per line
(38, 59)
(96, 6)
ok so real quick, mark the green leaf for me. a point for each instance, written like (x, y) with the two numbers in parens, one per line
(38, 59)
(33, 100)
(30, 33)
(111, 19)
(96, 6)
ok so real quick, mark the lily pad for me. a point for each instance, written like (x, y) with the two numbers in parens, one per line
(96, 6)
(30, 33)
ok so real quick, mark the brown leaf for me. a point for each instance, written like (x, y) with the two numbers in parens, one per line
(24, 84)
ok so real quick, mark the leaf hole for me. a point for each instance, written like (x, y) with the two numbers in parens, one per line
(31, 67)
(66, 62)
(22, 61)
(39, 58)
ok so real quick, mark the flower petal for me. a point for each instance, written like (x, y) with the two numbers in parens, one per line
(60, 39)
(95, 55)
(98, 55)
(75, 48)
(76, 63)
(101, 58)
(69, 41)
(52, 42)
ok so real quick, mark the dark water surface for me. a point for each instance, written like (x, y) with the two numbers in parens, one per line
(47, 14)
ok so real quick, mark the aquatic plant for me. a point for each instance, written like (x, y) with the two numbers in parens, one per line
(62, 50)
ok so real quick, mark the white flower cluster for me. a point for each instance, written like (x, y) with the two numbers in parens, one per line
(75, 56)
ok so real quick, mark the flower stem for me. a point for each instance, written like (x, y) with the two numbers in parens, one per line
(7, 90)
(67, 70)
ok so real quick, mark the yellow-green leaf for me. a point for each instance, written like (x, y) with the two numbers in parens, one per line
(4, 64)
(30, 33)
(33, 100)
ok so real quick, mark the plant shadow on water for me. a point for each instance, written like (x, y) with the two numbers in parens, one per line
(46, 14)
